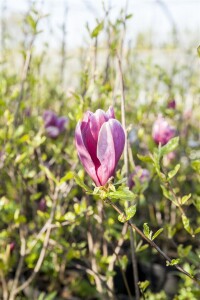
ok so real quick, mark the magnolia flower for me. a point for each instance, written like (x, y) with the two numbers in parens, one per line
(142, 174)
(162, 132)
(54, 125)
(12, 246)
(171, 104)
(42, 205)
(100, 141)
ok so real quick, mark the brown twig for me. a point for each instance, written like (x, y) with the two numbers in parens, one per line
(152, 243)
(15, 289)
(115, 255)
(4, 286)
(20, 265)
(133, 254)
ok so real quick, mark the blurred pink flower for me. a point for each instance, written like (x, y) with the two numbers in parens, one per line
(42, 205)
(162, 132)
(12, 246)
(54, 125)
(100, 142)
(167, 159)
(172, 104)
(142, 174)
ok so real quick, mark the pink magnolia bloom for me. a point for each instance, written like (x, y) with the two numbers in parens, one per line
(100, 141)
(171, 104)
(54, 125)
(12, 246)
(142, 174)
(162, 132)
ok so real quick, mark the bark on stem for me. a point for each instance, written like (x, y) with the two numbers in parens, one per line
(152, 243)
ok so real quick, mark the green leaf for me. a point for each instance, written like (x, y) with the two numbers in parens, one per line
(140, 247)
(143, 285)
(185, 198)
(172, 173)
(97, 30)
(184, 251)
(147, 231)
(80, 182)
(197, 230)
(198, 50)
(157, 233)
(144, 158)
(169, 147)
(69, 175)
(168, 195)
(173, 262)
(129, 16)
(186, 224)
(130, 212)
(122, 218)
(49, 174)
(122, 193)
(196, 165)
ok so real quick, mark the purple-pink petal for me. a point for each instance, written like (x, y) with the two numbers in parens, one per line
(109, 149)
(110, 113)
(52, 131)
(84, 155)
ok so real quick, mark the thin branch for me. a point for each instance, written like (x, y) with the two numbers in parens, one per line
(38, 265)
(20, 265)
(135, 268)
(133, 254)
(152, 243)
(4, 285)
(115, 254)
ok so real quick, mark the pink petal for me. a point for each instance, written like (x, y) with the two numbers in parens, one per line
(110, 113)
(109, 149)
(84, 155)
(52, 131)
(118, 137)
(96, 121)
(89, 142)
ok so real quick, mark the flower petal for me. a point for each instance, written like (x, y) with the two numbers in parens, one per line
(84, 155)
(61, 123)
(110, 113)
(49, 118)
(52, 131)
(96, 121)
(109, 149)
(118, 138)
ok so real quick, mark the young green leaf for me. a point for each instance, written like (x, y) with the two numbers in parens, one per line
(173, 262)
(186, 224)
(196, 165)
(122, 193)
(143, 285)
(97, 30)
(172, 173)
(49, 174)
(185, 198)
(198, 50)
(122, 218)
(144, 158)
(157, 233)
(169, 147)
(197, 230)
(147, 231)
(130, 212)
(80, 182)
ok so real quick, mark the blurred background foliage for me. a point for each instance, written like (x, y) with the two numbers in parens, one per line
(57, 242)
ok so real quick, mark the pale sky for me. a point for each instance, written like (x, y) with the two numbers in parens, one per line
(157, 15)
